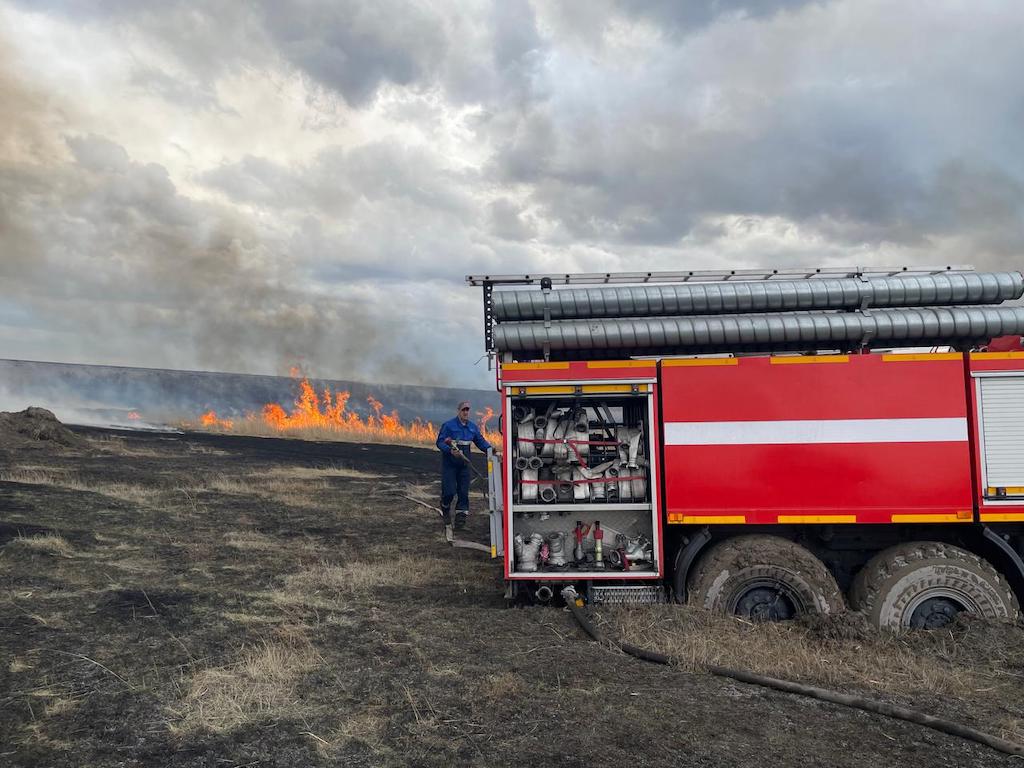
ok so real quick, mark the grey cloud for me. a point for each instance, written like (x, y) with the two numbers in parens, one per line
(591, 21)
(509, 222)
(474, 52)
(830, 136)
(348, 46)
(353, 47)
(693, 14)
(191, 93)
(337, 179)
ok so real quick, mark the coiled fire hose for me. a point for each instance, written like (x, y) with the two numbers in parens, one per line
(570, 596)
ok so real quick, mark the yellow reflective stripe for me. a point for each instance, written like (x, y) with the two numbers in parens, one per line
(569, 389)
(621, 364)
(1001, 517)
(922, 357)
(795, 359)
(676, 517)
(701, 361)
(997, 355)
(954, 517)
(1011, 490)
(535, 366)
(817, 518)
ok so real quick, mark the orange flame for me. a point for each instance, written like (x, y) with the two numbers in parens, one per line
(134, 415)
(210, 420)
(328, 411)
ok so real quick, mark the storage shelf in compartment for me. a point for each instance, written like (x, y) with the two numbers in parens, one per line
(572, 573)
(584, 506)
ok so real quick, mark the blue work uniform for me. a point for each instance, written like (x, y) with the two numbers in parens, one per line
(455, 475)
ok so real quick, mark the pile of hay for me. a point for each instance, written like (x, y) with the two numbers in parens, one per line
(34, 428)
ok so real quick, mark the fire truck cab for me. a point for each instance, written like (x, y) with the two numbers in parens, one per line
(714, 461)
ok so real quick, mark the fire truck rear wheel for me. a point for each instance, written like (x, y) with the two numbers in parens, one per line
(763, 578)
(924, 584)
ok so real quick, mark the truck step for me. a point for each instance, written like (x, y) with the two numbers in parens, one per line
(626, 595)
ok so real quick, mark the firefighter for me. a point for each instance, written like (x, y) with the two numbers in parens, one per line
(454, 441)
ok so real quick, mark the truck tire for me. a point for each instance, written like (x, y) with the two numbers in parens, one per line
(763, 578)
(924, 584)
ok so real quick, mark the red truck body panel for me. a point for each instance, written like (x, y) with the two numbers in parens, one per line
(841, 439)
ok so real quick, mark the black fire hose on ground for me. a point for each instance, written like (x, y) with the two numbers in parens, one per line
(857, 702)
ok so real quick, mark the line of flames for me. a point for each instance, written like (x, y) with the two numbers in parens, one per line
(328, 411)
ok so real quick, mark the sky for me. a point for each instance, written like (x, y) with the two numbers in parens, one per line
(249, 186)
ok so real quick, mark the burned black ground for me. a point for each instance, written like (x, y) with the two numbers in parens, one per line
(201, 600)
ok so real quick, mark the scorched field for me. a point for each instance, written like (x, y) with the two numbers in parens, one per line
(217, 600)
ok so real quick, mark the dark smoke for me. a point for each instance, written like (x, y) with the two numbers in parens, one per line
(104, 395)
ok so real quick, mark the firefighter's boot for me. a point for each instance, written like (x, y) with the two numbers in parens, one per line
(461, 516)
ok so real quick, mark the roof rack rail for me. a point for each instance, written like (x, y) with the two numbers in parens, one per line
(686, 276)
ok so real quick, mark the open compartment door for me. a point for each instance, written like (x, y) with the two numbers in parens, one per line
(581, 482)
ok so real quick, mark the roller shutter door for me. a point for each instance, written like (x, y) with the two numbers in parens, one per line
(1002, 424)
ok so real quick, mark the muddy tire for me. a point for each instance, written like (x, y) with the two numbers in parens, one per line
(924, 584)
(763, 578)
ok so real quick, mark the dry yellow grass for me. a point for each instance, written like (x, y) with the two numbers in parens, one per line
(262, 683)
(257, 428)
(328, 585)
(251, 618)
(118, 446)
(285, 493)
(249, 541)
(878, 661)
(502, 687)
(225, 484)
(47, 544)
(18, 665)
(317, 473)
(291, 486)
(59, 705)
(368, 726)
(135, 494)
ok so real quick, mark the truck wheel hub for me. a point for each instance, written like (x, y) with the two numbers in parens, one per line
(935, 613)
(765, 602)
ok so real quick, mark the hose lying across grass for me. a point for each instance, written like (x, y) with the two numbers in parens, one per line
(857, 702)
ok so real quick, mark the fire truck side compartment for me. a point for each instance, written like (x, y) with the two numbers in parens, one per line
(615, 404)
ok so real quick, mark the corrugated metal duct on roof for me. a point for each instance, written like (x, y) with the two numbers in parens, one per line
(762, 332)
(947, 288)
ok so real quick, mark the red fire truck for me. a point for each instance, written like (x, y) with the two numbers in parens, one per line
(660, 443)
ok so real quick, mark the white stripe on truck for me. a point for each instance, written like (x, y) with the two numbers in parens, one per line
(815, 431)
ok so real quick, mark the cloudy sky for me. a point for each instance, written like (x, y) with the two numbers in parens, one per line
(246, 186)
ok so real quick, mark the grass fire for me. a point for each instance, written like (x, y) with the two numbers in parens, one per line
(327, 416)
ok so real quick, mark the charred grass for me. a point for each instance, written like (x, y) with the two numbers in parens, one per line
(258, 428)
(205, 601)
(972, 662)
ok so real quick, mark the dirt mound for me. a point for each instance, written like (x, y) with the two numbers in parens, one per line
(33, 428)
